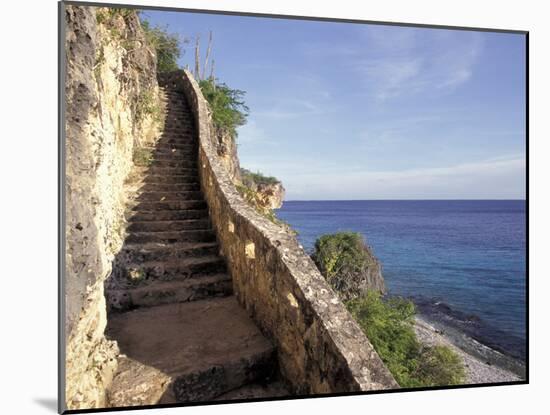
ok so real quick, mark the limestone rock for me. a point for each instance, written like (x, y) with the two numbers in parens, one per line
(271, 195)
(103, 124)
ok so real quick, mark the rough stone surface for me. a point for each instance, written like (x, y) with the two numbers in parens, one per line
(268, 194)
(102, 83)
(320, 348)
(186, 352)
(256, 391)
(271, 195)
(226, 148)
(137, 384)
(371, 278)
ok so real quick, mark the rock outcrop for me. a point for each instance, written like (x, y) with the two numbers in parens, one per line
(110, 73)
(268, 192)
(371, 278)
(348, 264)
(227, 152)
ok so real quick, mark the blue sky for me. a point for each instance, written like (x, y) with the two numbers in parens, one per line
(354, 111)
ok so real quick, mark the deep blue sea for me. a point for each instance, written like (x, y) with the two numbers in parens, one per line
(461, 259)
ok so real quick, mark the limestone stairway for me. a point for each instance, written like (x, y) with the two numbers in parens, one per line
(182, 333)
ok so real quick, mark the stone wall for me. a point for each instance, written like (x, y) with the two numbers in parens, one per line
(321, 349)
(103, 124)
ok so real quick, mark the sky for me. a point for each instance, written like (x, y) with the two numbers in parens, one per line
(342, 111)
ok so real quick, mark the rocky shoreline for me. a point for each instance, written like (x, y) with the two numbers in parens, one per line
(482, 364)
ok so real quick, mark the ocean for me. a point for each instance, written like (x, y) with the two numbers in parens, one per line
(462, 262)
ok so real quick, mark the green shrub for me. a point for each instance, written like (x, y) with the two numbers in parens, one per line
(251, 179)
(388, 327)
(339, 251)
(439, 365)
(228, 109)
(388, 324)
(165, 44)
(343, 259)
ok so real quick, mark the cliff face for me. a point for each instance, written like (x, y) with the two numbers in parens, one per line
(371, 278)
(227, 151)
(110, 72)
(268, 193)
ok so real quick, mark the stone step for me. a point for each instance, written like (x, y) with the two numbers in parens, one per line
(170, 187)
(177, 270)
(165, 145)
(143, 216)
(270, 389)
(174, 94)
(177, 108)
(170, 162)
(177, 138)
(174, 179)
(161, 196)
(178, 118)
(177, 141)
(172, 237)
(169, 205)
(169, 225)
(170, 151)
(181, 138)
(168, 292)
(177, 131)
(174, 100)
(181, 157)
(172, 171)
(187, 352)
(178, 112)
(136, 253)
(184, 134)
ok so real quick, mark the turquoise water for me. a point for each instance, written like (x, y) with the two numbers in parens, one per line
(463, 261)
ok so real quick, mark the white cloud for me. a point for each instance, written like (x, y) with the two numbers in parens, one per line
(288, 108)
(398, 62)
(391, 76)
(501, 177)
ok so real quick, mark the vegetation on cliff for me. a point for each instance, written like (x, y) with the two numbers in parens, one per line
(263, 193)
(165, 44)
(387, 322)
(228, 108)
(229, 111)
(348, 264)
(388, 325)
(251, 179)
